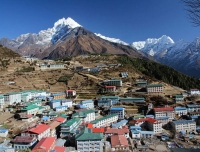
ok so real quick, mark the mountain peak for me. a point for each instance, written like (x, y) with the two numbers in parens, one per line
(69, 22)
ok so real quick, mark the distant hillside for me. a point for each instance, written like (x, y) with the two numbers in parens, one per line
(5, 52)
(160, 72)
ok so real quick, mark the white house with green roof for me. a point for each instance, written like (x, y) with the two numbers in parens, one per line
(105, 121)
(179, 98)
(25, 97)
(132, 100)
(87, 141)
(30, 110)
(13, 97)
(1, 101)
(86, 116)
(35, 102)
(70, 126)
(154, 88)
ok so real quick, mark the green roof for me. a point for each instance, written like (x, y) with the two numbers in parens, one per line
(114, 80)
(130, 98)
(64, 115)
(33, 102)
(83, 113)
(103, 118)
(179, 96)
(29, 107)
(109, 97)
(138, 116)
(40, 107)
(154, 85)
(71, 122)
(1, 97)
(87, 134)
(142, 82)
(11, 93)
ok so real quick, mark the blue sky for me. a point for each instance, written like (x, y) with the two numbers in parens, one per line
(128, 20)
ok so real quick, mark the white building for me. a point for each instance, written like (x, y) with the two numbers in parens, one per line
(163, 112)
(30, 110)
(60, 108)
(23, 142)
(88, 104)
(110, 88)
(154, 88)
(89, 142)
(184, 125)
(70, 93)
(3, 132)
(117, 110)
(66, 102)
(1, 102)
(194, 92)
(180, 111)
(105, 121)
(11, 98)
(152, 124)
(86, 116)
(39, 132)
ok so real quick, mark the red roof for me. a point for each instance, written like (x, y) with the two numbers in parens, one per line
(60, 119)
(98, 130)
(151, 120)
(59, 149)
(89, 125)
(117, 131)
(164, 109)
(70, 90)
(44, 145)
(39, 129)
(23, 139)
(110, 86)
(119, 141)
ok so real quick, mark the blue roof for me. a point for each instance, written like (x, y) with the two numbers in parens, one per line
(66, 100)
(55, 101)
(194, 117)
(147, 132)
(116, 108)
(191, 106)
(117, 125)
(161, 118)
(183, 122)
(135, 127)
(150, 116)
(180, 108)
(60, 107)
(45, 118)
(86, 101)
(3, 130)
(58, 94)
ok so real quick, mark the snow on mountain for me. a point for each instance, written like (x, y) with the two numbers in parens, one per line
(111, 39)
(60, 28)
(153, 46)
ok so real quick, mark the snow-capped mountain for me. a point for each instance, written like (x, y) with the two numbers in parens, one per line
(182, 56)
(66, 38)
(114, 40)
(153, 46)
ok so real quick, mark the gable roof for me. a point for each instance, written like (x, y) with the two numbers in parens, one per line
(39, 129)
(88, 135)
(59, 149)
(60, 119)
(98, 130)
(119, 141)
(44, 144)
(117, 131)
(54, 124)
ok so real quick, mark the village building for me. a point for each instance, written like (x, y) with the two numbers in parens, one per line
(137, 133)
(60, 108)
(141, 83)
(85, 116)
(3, 132)
(194, 92)
(60, 95)
(119, 142)
(184, 125)
(11, 98)
(124, 74)
(89, 141)
(66, 102)
(30, 110)
(105, 121)
(150, 123)
(164, 112)
(117, 110)
(87, 103)
(179, 98)
(24, 142)
(154, 88)
(39, 132)
(110, 88)
(180, 111)
(45, 144)
(115, 131)
(1, 102)
(70, 93)
(137, 101)
(193, 107)
(119, 124)
(104, 103)
(164, 120)
(54, 128)
(54, 103)
(70, 126)
(113, 82)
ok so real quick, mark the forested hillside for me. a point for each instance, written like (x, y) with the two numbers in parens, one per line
(160, 72)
